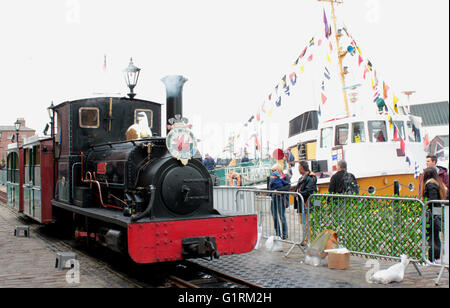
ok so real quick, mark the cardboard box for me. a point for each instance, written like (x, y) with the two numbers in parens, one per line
(339, 260)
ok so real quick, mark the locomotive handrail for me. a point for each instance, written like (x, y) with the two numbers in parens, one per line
(136, 217)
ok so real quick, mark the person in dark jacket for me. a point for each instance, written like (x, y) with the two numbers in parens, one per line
(434, 189)
(306, 186)
(431, 161)
(337, 181)
(277, 206)
(209, 162)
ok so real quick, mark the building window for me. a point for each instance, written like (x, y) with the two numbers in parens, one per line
(341, 134)
(89, 117)
(377, 131)
(358, 133)
(303, 123)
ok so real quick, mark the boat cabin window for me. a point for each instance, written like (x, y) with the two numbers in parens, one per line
(89, 117)
(326, 137)
(358, 133)
(377, 131)
(413, 133)
(148, 113)
(341, 134)
(401, 129)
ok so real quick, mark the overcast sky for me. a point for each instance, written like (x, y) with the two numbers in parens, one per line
(233, 52)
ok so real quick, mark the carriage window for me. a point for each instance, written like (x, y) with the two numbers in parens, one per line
(377, 131)
(148, 113)
(89, 117)
(326, 137)
(358, 134)
(413, 133)
(341, 134)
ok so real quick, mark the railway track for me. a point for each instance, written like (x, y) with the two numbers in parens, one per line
(113, 267)
(192, 275)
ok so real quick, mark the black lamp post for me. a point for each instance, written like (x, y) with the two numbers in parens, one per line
(131, 77)
(17, 125)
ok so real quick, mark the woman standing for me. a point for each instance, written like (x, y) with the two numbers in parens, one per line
(434, 189)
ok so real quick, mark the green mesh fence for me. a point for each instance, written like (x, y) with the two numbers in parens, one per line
(382, 226)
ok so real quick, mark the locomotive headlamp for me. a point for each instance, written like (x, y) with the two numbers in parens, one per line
(131, 77)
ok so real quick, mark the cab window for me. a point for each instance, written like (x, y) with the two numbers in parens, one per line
(147, 112)
(89, 117)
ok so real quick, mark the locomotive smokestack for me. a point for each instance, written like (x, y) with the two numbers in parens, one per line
(174, 88)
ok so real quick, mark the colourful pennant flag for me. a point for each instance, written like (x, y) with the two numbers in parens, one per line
(283, 81)
(402, 145)
(303, 52)
(325, 21)
(396, 133)
(327, 73)
(408, 161)
(278, 102)
(416, 170)
(324, 98)
(395, 104)
(360, 60)
(426, 140)
(391, 125)
(328, 57)
(369, 65)
(310, 58)
(385, 90)
(287, 91)
(269, 114)
(311, 42)
(319, 42)
(366, 70)
(302, 68)
(293, 78)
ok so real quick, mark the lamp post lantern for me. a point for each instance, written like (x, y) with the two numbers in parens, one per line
(17, 125)
(131, 77)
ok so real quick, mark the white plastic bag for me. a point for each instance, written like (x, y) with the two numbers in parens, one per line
(395, 273)
(258, 242)
(273, 244)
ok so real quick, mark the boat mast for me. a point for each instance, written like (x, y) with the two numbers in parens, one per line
(342, 54)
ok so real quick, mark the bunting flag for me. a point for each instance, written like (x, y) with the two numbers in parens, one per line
(396, 137)
(324, 98)
(360, 60)
(303, 52)
(325, 21)
(323, 86)
(311, 42)
(439, 150)
(331, 46)
(426, 140)
(366, 70)
(258, 117)
(286, 91)
(395, 104)
(262, 107)
(302, 68)
(408, 161)
(278, 102)
(327, 73)
(258, 146)
(416, 170)
(319, 42)
(402, 145)
(293, 78)
(385, 90)
(283, 81)
(351, 50)
(319, 111)
(251, 119)
(391, 125)
(369, 65)
(310, 58)
(328, 57)
(269, 114)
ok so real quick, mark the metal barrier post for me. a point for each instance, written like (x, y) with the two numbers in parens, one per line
(441, 212)
(295, 235)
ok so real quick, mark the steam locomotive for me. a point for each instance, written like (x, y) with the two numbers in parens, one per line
(144, 196)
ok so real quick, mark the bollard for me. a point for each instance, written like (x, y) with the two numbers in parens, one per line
(25, 229)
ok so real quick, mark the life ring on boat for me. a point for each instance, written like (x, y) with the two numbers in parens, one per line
(235, 179)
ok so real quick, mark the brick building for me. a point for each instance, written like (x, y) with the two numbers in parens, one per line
(6, 133)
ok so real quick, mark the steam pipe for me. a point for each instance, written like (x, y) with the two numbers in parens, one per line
(174, 88)
(136, 217)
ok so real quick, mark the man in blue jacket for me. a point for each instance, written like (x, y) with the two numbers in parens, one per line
(209, 162)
